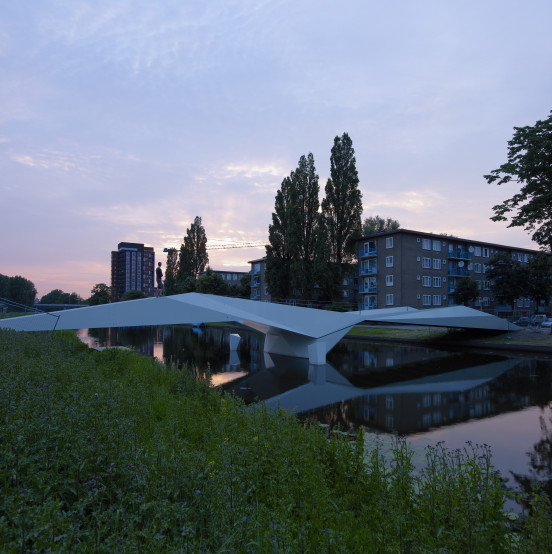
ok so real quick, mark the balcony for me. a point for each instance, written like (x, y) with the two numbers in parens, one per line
(458, 272)
(459, 255)
(368, 270)
(368, 289)
(367, 252)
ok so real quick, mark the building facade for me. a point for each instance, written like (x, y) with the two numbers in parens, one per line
(231, 278)
(132, 268)
(410, 268)
(259, 290)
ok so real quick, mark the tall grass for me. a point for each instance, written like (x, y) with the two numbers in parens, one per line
(114, 452)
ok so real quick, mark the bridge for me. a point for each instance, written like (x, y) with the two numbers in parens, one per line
(289, 330)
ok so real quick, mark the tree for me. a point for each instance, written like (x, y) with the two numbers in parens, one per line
(211, 283)
(292, 234)
(17, 289)
(508, 277)
(193, 252)
(530, 164)
(377, 224)
(53, 297)
(133, 295)
(278, 251)
(100, 294)
(538, 282)
(342, 206)
(466, 291)
(171, 271)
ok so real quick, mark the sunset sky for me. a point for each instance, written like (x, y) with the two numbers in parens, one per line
(121, 120)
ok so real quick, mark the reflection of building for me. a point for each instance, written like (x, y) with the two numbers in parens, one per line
(410, 268)
(132, 268)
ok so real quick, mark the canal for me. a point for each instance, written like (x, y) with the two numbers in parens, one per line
(424, 394)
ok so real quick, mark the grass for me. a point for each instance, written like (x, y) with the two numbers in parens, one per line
(114, 452)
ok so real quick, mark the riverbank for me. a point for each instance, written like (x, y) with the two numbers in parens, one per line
(114, 452)
(525, 341)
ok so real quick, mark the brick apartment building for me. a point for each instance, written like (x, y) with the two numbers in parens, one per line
(411, 268)
(132, 268)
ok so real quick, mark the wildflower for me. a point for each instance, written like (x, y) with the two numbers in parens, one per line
(198, 491)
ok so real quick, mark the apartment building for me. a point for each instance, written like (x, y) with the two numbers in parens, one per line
(411, 268)
(259, 289)
(231, 278)
(132, 268)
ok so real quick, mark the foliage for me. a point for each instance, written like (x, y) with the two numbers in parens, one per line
(466, 291)
(530, 164)
(341, 214)
(133, 295)
(57, 296)
(508, 277)
(538, 278)
(17, 289)
(243, 290)
(100, 294)
(211, 283)
(171, 270)
(377, 224)
(292, 234)
(113, 451)
(193, 252)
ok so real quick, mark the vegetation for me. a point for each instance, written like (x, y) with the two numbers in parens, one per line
(377, 224)
(57, 296)
(292, 234)
(101, 294)
(466, 291)
(17, 289)
(171, 271)
(114, 452)
(193, 252)
(530, 164)
(133, 295)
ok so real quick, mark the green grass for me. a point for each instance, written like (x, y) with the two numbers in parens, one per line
(114, 452)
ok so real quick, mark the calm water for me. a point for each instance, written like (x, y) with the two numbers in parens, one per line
(425, 394)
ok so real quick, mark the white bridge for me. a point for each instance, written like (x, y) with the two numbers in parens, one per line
(289, 330)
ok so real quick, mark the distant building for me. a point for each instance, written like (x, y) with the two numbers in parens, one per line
(411, 268)
(259, 290)
(132, 268)
(231, 278)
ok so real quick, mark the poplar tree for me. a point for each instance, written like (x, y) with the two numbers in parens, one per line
(171, 270)
(341, 209)
(193, 252)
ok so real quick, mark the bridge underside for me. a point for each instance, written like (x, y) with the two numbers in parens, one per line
(289, 330)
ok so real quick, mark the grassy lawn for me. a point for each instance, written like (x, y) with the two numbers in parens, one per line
(115, 452)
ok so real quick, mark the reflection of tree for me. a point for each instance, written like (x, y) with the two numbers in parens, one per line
(541, 461)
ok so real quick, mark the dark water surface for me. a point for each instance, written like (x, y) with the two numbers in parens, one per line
(426, 394)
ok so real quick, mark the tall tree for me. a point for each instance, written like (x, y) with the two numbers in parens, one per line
(17, 289)
(171, 270)
(539, 278)
(304, 224)
(278, 251)
(342, 207)
(466, 291)
(377, 224)
(530, 164)
(193, 252)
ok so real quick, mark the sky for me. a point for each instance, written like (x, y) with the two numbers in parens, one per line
(123, 120)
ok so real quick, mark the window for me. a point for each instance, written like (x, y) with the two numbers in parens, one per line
(436, 299)
(427, 300)
(426, 281)
(389, 280)
(525, 258)
(389, 299)
(436, 263)
(520, 256)
(426, 263)
(485, 252)
(477, 251)
(485, 266)
(477, 268)
(485, 301)
(345, 293)
(389, 261)
(436, 281)
(527, 302)
(426, 244)
(486, 285)
(437, 245)
(389, 242)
